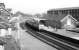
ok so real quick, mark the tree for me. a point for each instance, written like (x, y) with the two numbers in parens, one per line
(52, 23)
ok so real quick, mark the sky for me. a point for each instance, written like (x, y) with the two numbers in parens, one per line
(38, 6)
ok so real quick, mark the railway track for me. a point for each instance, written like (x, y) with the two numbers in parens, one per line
(52, 39)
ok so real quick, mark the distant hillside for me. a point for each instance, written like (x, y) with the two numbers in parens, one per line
(22, 14)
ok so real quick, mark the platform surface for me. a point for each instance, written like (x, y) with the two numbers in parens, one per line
(29, 42)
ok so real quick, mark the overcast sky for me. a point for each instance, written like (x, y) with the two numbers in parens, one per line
(38, 6)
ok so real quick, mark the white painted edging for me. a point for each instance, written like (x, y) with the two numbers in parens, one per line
(76, 38)
(1, 47)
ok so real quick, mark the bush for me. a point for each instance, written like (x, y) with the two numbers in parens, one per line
(52, 23)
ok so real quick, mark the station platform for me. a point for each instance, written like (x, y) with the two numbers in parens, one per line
(29, 42)
(66, 33)
(63, 32)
